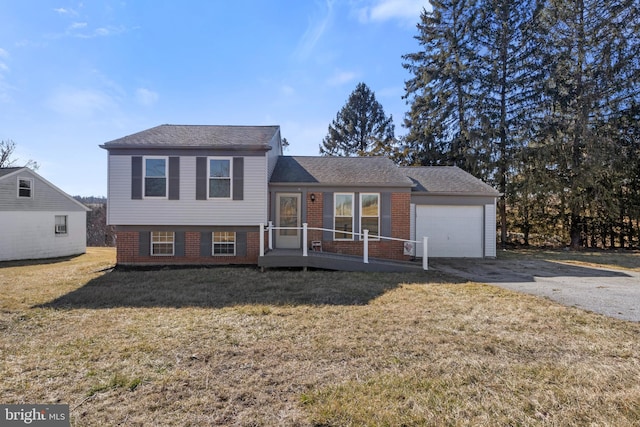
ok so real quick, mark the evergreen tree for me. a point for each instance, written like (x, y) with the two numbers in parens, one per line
(504, 78)
(589, 53)
(360, 127)
(441, 123)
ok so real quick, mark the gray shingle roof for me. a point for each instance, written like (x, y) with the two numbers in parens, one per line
(7, 171)
(339, 171)
(184, 136)
(446, 180)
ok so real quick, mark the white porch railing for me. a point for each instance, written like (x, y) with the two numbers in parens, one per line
(364, 235)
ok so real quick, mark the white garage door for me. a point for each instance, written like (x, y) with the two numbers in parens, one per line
(453, 231)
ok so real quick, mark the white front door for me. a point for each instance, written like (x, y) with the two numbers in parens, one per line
(288, 215)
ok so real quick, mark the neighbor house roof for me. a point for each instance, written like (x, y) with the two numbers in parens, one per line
(342, 171)
(198, 136)
(7, 171)
(446, 180)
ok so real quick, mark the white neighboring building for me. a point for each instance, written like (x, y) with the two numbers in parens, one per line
(37, 219)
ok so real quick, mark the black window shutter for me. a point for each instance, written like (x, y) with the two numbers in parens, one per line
(144, 243)
(201, 178)
(385, 215)
(327, 215)
(174, 178)
(205, 243)
(238, 178)
(136, 177)
(241, 243)
(179, 243)
(356, 216)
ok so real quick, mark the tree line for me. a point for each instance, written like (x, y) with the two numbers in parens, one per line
(540, 98)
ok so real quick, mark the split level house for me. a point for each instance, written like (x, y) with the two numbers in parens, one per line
(37, 219)
(198, 194)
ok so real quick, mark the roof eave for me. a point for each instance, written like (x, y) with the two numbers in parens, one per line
(343, 185)
(253, 147)
(456, 193)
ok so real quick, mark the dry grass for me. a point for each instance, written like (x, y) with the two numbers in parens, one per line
(233, 346)
(616, 259)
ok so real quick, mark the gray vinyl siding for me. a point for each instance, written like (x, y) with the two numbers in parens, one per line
(45, 197)
(123, 210)
(273, 154)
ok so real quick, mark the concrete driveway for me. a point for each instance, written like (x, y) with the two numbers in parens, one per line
(614, 293)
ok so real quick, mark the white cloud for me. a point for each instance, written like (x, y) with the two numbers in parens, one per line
(4, 69)
(146, 97)
(64, 11)
(98, 32)
(287, 91)
(314, 31)
(341, 77)
(406, 11)
(75, 102)
(77, 25)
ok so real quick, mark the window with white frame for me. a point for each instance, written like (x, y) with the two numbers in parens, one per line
(220, 178)
(162, 243)
(370, 214)
(223, 243)
(61, 225)
(343, 216)
(25, 188)
(155, 177)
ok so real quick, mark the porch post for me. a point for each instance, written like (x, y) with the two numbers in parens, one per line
(261, 239)
(366, 246)
(425, 257)
(270, 235)
(304, 239)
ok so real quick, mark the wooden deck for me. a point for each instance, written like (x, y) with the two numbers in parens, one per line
(330, 261)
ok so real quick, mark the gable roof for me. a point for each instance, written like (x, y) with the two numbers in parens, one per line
(198, 136)
(328, 170)
(447, 180)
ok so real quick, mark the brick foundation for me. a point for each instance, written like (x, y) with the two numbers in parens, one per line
(128, 252)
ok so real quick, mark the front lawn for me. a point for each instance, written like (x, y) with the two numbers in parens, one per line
(233, 346)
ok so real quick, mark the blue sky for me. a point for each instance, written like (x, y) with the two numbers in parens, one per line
(74, 75)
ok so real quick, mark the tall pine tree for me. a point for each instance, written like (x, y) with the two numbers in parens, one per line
(591, 74)
(360, 128)
(504, 78)
(442, 124)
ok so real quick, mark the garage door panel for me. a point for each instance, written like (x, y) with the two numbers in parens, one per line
(453, 231)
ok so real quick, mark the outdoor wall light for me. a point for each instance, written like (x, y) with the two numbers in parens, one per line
(312, 197)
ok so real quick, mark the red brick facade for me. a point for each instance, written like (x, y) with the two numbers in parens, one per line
(128, 242)
(128, 251)
(389, 249)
